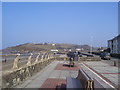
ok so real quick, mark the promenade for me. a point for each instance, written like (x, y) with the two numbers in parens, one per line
(54, 75)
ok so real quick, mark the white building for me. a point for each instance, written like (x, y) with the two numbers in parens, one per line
(114, 45)
(54, 50)
(53, 44)
(78, 49)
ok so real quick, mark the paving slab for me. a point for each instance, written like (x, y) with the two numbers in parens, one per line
(49, 72)
(107, 72)
(39, 78)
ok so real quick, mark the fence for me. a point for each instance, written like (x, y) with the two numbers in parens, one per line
(16, 61)
(19, 73)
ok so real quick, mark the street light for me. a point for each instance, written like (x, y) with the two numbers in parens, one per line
(91, 44)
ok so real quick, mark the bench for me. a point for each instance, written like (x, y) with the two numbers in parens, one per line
(83, 81)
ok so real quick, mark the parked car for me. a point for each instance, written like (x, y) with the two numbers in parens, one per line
(90, 55)
(105, 56)
(80, 55)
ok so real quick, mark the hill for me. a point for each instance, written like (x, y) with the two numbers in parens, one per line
(31, 47)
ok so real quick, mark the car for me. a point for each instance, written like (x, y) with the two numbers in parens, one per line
(105, 56)
(80, 55)
(71, 54)
(90, 55)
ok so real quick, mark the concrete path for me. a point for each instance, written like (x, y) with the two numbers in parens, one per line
(106, 74)
(55, 72)
(48, 72)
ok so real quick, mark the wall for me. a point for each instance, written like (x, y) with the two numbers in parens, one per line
(18, 76)
(114, 45)
(119, 44)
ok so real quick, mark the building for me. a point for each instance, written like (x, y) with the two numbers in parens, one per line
(114, 44)
(54, 50)
(78, 49)
(53, 44)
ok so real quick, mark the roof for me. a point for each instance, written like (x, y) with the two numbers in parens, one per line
(114, 38)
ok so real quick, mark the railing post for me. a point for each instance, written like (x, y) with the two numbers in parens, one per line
(42, 57)
(65, 58)
(37, 58)
(51, 56)
(29, 60)
(46, 56)
(15, 63)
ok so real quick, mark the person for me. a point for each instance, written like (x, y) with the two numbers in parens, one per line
(71, 56)
(71, 61)
(5, 60)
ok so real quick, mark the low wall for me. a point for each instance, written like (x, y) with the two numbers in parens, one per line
(80, 58)
(61, 58)
(16, 77)
(89, 59)
(115, 55)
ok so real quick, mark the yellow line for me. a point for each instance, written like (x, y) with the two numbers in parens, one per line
(99, 76)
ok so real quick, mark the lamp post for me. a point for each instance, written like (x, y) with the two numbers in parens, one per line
(91, 45)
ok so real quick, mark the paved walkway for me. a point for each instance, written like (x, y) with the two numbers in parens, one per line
(54, 75)
(54, 71)
(106, 74)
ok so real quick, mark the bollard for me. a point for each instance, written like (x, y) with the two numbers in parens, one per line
(114, 63)
(37, 58)
(29, 60)
(15, 63)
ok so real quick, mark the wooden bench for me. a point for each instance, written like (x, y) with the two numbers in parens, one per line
(83, 81)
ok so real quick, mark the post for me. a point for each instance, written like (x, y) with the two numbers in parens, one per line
(15, 63)
(45, 57)
(91, 45)
(42, 57)
(48, 57)
(29, 60)
(114, 63)
(37, 58)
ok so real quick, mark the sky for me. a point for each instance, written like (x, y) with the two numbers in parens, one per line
(91, 23)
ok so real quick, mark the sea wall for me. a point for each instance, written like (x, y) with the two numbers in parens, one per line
(18, 76)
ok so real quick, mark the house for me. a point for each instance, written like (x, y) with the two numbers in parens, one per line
(114, 45)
